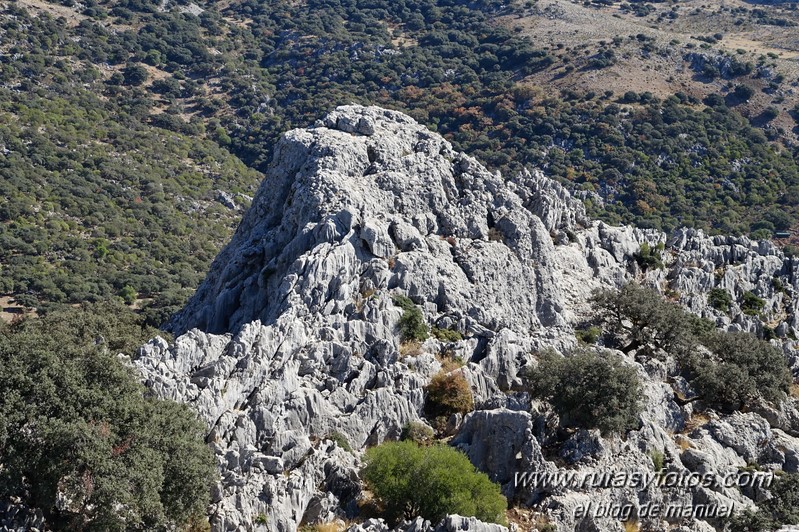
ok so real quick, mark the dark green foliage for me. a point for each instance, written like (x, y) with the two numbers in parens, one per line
(73, 417)
(447, 335)
(412, 324)
(588, 390)
(741, 369)
(588, 335)
(743, 92)
(93, 198)
(713, 100)
(729, 370)
(649, 257)
(135, 75)
(770, 113)
(752, 304)
(431, 482)
(603, 59)
(642, 321)
(447, 394)
(774, 513)
(720, 299)
(630, 97)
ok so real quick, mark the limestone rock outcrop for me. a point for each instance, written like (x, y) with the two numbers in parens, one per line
(290, 350)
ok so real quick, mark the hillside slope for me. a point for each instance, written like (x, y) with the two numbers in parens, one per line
(135, 131)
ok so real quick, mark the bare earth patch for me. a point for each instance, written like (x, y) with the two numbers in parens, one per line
(9, 309)
(574, 33)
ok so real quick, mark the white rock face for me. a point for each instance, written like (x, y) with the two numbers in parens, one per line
(291, 344)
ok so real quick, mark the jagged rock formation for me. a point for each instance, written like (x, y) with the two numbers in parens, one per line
(291, 345)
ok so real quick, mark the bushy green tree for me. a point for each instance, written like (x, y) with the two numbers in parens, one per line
(774, 513)
(729, 370)
(770, 113)
(135, 74)
(588, 390)
(742, 368)
(649, 257)
(743, 92)
(720, 299)
(76, 426)
(751, 304)
(431, 482)
(641, 319)
(128, 294)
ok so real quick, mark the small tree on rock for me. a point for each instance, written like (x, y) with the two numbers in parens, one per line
(588, 390)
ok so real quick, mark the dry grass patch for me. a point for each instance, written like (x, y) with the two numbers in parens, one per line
(529, 520)
(695, 421)
(632, 526)
(683, 443)
(410, 349)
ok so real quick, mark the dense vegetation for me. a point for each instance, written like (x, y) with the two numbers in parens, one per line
(79, 437)
(121, 122)
(96, 202)
(729, 370)
(588, 390)
(774, 513)
(433, 481)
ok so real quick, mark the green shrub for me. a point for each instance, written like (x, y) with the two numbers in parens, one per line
(128, 294)
(770, 113)
(412, 324)
(742, 368)
(430, 482)
(751, 304)
(135, 74)
(743, 92)
(719, 299)
(447, 335)
(341, 441)
(774, 513)
(658, 459)
(417, 432)
(588, 335)
(649, 257)
(74, 418)
(588, 390)
(447, 394)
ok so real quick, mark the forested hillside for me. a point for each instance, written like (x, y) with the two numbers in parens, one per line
(134, 132)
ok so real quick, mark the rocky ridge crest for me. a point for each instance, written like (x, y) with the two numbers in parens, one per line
(291, 343)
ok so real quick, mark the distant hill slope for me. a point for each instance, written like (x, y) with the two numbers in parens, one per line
(133, 130)
(665, 48)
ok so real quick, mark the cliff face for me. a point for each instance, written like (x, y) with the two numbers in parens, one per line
(293, 337)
